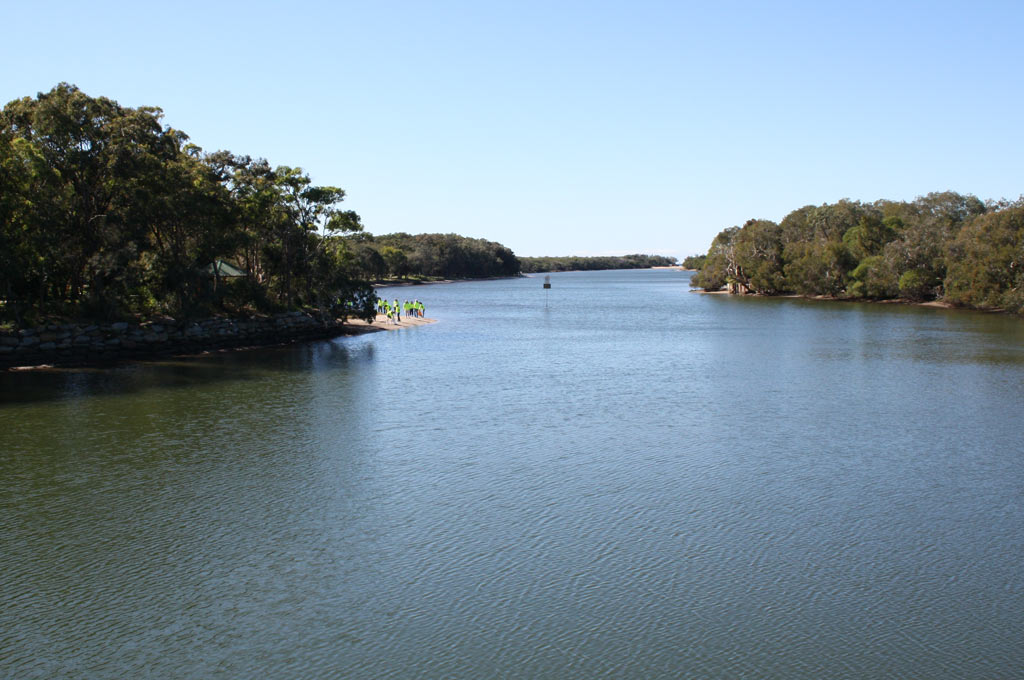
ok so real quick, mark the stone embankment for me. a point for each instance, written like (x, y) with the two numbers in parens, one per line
(82, 344)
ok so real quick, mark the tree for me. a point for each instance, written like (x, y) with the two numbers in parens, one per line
(92, 160)
(915, 249)
(758, 254)
(870, 235)
(396, 260)
(817, 268)
(694, 261)
(873, 278)
(987, 261)
(105, 211)
(929, 225)
(720, 266)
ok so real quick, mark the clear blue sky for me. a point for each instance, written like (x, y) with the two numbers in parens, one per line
(565, 127)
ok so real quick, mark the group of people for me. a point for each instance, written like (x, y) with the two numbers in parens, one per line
(393, 311)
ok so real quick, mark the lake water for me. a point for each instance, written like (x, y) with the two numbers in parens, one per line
(614, 479)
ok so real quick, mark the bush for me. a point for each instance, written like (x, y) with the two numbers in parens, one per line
(918, 284)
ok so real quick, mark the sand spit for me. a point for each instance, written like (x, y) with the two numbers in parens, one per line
(381, 323)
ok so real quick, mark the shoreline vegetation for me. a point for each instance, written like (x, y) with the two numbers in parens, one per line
(536, 265)
(113, 223)
(109, 215)
(943, 249)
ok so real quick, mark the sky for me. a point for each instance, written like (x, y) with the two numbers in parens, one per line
(558, 128)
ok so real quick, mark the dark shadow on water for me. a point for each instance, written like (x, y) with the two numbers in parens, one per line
(55, 384)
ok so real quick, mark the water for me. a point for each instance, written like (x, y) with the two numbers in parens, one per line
(624, 481)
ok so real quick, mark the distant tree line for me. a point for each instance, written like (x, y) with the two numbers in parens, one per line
(574, 263)
(945, 246)
(432, 256)
(105, 212)
(694, 261)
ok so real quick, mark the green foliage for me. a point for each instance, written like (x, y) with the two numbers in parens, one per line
(986, 259)
(758, 255)
(869, 236)
(594, 263)
(918, 284)
(873, 278)
(720, 263)
(817, 268)
(396, 260)
(942, 245)
(929, 224)
(106, 212)
(694, 261)
(446, 256)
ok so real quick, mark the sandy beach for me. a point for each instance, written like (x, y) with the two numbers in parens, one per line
(381, 323)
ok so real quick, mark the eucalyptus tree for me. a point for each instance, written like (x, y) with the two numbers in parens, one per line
(313, 214)
(720, 266)
(86, 161)
(986, 261)
(105, 210)
(870, 235)
(191, 224)
(24, 180)
(927, 226)
(817, 260)
(758, 251)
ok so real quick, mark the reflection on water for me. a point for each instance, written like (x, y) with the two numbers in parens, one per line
(182, 372)
(634, 481)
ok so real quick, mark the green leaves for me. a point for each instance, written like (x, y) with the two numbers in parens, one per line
(986, 261)
(105, 210)
(940, 245)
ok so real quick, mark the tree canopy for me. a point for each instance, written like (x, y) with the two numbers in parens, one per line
(106, 212)
(578, 263)
(435, 256)
(944, 245)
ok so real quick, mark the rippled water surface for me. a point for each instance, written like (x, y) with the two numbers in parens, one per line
(625, 480)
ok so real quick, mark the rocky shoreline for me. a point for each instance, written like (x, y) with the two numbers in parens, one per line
(90, 344)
